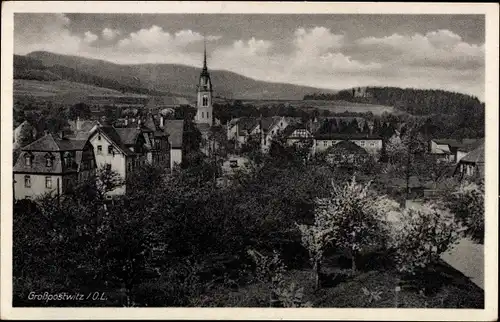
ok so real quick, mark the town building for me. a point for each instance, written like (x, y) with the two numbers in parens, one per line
(452, 150)
(371, 143)
(472, 164)
(52, 165)
(346, 154)
(121, 150)
(175, 132)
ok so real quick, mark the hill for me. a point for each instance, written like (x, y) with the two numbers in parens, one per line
(410, 100)
(334, 106)
(63, 91)
(179, 80)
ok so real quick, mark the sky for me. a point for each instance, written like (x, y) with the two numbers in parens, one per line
(333, 51)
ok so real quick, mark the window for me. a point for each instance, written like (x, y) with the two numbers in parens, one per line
(362, 143)
(324, 143)
(204, 100)
(99, 137)
(99, 149)
(110, 149)
(27, 181)
(48, 161)
(28, 160)
(202, 115)
(68, 160)
(108, 166)
(208, 115)
(48, 182)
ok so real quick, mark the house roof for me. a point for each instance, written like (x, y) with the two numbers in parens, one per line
(175, 130)
(470, 144)
(49, 143)
(290, 129)
(48, 146)
(475, 156)
(346, 146)
(128, 135)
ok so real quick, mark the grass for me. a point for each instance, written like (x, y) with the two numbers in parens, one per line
(450, 290)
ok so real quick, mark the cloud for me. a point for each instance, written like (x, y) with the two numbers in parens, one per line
(156, 40)
(110, 34)
(44, 32)
(89, 37)
(441, 48)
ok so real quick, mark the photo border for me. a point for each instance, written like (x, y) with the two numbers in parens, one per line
(491, 12)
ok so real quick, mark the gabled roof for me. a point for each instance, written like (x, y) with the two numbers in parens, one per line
(290, 129)
(347, 146)
(49, 143)
(475, 156)
(128, 135)
(175, 131)
(268, 122)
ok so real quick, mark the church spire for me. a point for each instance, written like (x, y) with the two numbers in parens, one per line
(205, 55)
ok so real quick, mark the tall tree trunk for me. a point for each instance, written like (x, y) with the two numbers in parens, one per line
(317, 269)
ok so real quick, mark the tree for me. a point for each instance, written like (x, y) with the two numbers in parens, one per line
(356, 215)
(422, 235)
(317, 237)
(81, 110)
(467, 203)
(404, 152)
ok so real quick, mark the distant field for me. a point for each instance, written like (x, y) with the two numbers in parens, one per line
(332, 106)
(62, 88)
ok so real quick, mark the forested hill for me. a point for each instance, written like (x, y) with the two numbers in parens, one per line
(29, 68)
(413, 101)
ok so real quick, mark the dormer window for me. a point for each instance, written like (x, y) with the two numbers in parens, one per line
(68, 159)
(48, 160)
(27, 159)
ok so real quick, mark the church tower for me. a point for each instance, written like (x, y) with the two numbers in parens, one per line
(204, 109)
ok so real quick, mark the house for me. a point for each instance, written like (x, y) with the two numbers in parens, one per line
(52, 165)
(175, 132)
(241, 128)
(346, 154)
(119, 149)
(270, 127)
(81, 129)
(371, 143)
(452, 150)
(472, 164)
(158, 143)
(299, 134)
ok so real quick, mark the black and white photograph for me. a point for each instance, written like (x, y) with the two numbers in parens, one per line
(216, 159)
